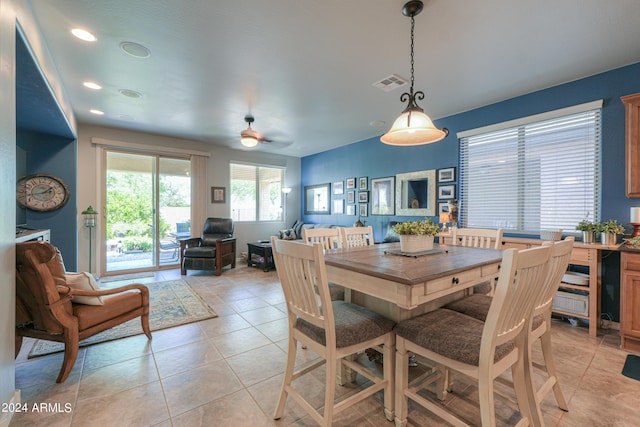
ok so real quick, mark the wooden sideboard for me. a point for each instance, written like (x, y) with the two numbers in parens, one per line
(632, 144)
(630, 300)
(30, 235)
(588, 255)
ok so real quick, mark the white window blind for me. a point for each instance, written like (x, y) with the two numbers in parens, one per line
(533, 176)
(256, 193)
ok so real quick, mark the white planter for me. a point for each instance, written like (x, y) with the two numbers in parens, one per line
(414, 243)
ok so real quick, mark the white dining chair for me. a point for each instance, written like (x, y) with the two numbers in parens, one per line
(356, 236)
(480, 350)
(486, 238)
(332, 329)
(329, 238)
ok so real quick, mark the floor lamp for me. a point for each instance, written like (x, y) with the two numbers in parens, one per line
(90, 216)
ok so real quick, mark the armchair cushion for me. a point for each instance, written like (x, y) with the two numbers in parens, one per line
(87, 282)
(113, 307)
(200, 251)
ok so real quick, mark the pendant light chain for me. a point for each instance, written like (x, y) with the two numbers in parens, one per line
(413, 21)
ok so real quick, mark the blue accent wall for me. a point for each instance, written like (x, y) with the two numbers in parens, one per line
(373, 159)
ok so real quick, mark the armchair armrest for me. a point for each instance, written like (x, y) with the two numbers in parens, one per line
(67, 290)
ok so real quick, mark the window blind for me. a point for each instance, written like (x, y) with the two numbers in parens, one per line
(532, 176)
(256, 193)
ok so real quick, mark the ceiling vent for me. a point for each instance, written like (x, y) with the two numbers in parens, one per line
(390, 83)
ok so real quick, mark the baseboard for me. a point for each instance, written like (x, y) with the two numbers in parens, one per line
(5, 416)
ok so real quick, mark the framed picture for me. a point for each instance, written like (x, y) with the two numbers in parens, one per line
(363, 209)
(443, 208)
(383, 196)
(351, 183)
(363, 183)
(338, 206)
(446, 175)
(338, 187)
(316, 199)
(351, 196)
(447, 192)
(351, 209)
(363, 196)
(217, 194)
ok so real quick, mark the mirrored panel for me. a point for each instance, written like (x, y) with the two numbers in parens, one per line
(316, 199)
(416, 193)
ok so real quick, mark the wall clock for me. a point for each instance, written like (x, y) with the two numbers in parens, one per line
(42, 192)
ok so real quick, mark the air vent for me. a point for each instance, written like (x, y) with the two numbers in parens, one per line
(134, 49)
(390, 83)
(130, 93)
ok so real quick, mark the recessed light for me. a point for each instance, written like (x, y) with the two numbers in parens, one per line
(92, 85)
(130, 93)
(135, 49)
(83, 35)
(96, 112)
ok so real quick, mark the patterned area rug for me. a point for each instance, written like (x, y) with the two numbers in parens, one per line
(172, 303)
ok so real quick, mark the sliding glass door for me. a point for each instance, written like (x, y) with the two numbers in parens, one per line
(147, 210)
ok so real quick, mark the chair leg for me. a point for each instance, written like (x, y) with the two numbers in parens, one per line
(71, 341)
(330, 388)
(144, 319)
(401, 382)
(523, 385)
(486, 396)
(288, 376)
(545, 341)
(388, 371)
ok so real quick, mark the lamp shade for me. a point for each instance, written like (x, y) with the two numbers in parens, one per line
(249, 141)
(413, 128)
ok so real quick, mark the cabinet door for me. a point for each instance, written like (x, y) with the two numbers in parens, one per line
(632, 147)
(630, 304)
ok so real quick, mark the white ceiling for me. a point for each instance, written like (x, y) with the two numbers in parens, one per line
(305, 68)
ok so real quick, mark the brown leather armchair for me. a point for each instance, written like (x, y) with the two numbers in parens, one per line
(215, 249)
(44, 307)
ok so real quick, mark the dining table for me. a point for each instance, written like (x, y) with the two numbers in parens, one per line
(402, 285)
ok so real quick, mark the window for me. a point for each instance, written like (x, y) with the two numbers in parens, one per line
(256, 193)
(541, 172)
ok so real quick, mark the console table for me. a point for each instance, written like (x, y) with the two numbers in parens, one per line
(260, 255)
(31, 235)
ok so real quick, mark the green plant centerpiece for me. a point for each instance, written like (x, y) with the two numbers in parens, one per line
(416, 236)
(609, 231)
(588, 229)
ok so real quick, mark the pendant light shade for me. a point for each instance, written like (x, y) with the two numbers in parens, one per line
(413, 127)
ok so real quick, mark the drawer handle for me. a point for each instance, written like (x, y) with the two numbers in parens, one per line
(455, 281)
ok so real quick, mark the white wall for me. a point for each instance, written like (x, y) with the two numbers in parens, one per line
(89, 171)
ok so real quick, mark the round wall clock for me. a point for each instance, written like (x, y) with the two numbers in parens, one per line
(42, 192)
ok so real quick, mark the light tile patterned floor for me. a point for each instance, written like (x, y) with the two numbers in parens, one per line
(227, 371)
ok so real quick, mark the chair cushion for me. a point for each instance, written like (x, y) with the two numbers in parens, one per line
(476, 306)
(354, 324)
(200, 252)
(86, 282)
(115, 306)
(450, 334)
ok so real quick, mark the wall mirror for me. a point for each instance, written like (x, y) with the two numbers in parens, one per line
(316, 199)
(416, 193)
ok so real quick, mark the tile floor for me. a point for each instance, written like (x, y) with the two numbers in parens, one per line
(227, 371)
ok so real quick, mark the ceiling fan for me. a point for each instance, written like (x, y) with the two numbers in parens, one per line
(249, 137)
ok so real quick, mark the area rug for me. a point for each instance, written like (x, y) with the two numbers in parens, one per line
(120, 277)
(632, 367)
(171, 303)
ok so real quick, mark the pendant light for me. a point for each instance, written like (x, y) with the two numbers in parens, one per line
(413, 127)
(248, 137)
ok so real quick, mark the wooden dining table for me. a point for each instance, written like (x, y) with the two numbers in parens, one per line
(399, 287)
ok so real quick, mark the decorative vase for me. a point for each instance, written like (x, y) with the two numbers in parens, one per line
(608, 238)
(588, 237)
(415, 243)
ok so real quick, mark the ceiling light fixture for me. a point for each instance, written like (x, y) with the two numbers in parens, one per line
(249, 137)
(413, 127)
(96, 112)
(83, 35)
(92, 85)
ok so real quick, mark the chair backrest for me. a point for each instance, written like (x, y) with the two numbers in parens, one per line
(39, 269)
(329, 238)
(356, 236)
(478, 237)
(560, 256)
(522, 275)
(216, 228)
(302, 272)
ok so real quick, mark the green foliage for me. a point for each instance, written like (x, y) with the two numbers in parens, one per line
(585, 225)
(424, 227)
(610, 226)
(137, 243)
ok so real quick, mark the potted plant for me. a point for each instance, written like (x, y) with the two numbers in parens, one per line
(588, 229)
(609, 231)
(416, 236)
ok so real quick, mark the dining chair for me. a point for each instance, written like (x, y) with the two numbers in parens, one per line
(479, 350)
(356, 236)
(329, 238)
(479, 238)
(331, 329)
(477, 306)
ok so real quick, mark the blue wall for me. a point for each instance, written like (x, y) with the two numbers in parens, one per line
(373, 159)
